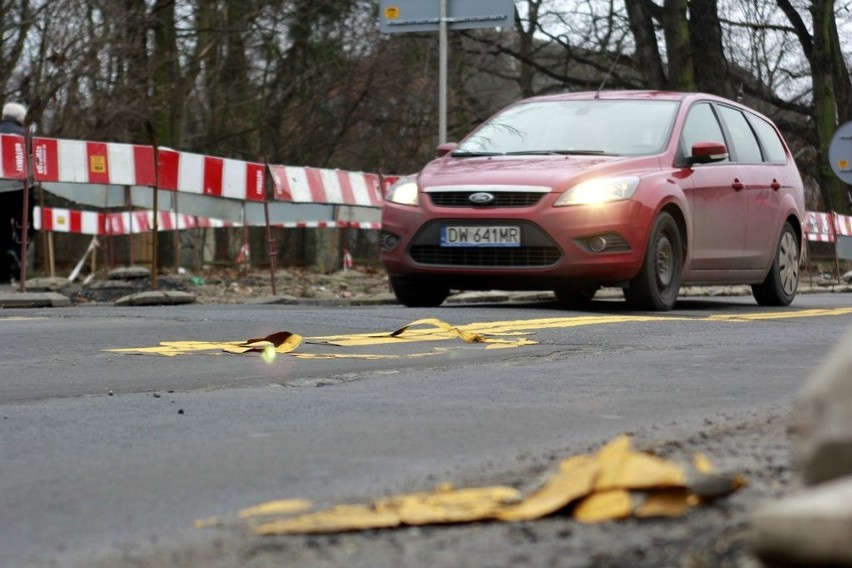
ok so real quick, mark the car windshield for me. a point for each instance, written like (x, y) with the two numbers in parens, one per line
(591, 126)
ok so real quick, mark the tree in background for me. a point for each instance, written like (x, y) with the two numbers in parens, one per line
(313, 82)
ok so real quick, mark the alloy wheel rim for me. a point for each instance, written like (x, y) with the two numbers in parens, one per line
(788, 264)
(664, 263)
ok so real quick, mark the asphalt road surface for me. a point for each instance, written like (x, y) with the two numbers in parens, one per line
(110, 451)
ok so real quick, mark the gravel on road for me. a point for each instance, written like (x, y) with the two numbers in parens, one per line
(758, 446)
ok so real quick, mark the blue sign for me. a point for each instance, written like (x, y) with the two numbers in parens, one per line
(840, 153)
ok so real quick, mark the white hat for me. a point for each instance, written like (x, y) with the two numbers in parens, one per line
(16, 111)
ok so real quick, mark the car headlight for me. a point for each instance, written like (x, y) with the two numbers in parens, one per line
(599, 190)
(403, 192)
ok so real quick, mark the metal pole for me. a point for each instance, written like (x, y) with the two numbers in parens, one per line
(156, 206)
(442, 74)
(25, 214)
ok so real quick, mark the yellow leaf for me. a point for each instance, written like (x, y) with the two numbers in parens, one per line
(664, 503)
(575, 479)
(604, 506)
(623, 468)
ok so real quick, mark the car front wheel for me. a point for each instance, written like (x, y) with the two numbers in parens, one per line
(657, 285)
(418, 294)
(779, 287)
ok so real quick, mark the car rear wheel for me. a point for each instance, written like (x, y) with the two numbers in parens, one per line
(418, 294)
(779, 287)
(576, 294)
(658, 283)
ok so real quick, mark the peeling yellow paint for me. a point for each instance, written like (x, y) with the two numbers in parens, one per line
(444, 505)
(614, 483)
(282, 506)
(207, 523)
(782, 315)
(364, 356)
(494, 335)
(338, 519)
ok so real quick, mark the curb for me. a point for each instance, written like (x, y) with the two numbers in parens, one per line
(41, 299)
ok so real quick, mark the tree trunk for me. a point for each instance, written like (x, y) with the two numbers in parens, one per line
(166, 98)
(825, 102)
(648, 58)
(708, 54)
(676, 31)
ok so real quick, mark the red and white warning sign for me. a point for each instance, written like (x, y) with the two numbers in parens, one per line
(77, 161)
(13, 157)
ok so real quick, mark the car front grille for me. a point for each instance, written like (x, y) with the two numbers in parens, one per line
(501, 199)
(509, 257)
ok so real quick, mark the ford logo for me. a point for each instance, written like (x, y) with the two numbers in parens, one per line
(481, 198)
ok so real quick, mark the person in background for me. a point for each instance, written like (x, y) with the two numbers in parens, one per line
(12, 202)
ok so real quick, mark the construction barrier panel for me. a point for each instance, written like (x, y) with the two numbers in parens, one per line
(818, 227)
(97, 223)
(13, 157)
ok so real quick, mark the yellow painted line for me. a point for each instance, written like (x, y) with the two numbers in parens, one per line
(494, 335)
(485, 329)
(783, 315)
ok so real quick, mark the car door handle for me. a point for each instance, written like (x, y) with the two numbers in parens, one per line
(737, 185)
(775, 185)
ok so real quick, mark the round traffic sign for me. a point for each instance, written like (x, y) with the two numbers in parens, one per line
(840, 152)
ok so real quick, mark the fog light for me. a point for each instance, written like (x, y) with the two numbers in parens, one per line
(597, 244)
(389, 241)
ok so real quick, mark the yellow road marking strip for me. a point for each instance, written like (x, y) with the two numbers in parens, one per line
(490, 333)
(783, 315)
(485, 329)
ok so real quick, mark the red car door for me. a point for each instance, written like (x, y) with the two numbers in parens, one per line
(716, 197)
(762, 184)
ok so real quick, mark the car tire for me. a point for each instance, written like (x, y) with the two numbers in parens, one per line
(418, 294)
(779, 287)
(576, 294)
(657, 285)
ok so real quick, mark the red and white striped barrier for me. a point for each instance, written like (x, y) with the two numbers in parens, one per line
(68, 221)
(843, 225)
(208, 175)
(328, 225)
(132, 222)
(76, 161)
(316, 185)
(141, 221)
(818, 227)
(13, 157)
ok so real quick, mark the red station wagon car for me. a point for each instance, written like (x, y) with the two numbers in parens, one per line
(643, 190)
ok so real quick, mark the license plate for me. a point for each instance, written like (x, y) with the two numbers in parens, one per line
(481, 236)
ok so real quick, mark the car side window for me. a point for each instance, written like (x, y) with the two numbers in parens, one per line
(701, 125)
(746, 149)
(773, 147)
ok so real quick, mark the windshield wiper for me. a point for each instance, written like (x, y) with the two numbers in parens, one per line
(463, 154)
(557, 152)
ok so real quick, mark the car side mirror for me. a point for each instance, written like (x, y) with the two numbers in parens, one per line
(708, 152)
(445, 149)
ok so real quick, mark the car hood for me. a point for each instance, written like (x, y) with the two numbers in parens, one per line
(553, 171)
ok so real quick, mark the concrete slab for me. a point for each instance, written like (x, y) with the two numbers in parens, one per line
(822, 411)
(34, 300)
(156, 298)
(813, 528)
